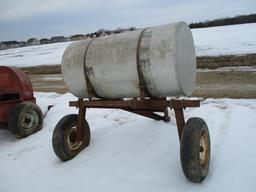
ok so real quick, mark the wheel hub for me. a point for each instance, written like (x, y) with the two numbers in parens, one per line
(203, 149)
(72, 141)
(29, 119)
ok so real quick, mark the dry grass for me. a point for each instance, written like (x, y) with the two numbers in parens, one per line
(229, 84)
(43, 69)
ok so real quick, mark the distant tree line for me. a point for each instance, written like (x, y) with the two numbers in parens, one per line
(241, 19)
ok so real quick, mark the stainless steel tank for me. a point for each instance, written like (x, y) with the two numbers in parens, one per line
(159, 60)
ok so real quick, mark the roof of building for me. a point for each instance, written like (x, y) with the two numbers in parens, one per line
(10, 42)
(58, 37)
(32, 39)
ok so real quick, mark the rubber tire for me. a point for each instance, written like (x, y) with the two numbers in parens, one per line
(59, 138)
(14, 119)
(190, 147)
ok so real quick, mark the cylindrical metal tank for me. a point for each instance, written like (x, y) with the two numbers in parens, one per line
(159, 60)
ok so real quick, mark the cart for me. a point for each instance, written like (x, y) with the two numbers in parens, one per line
(18, 109)
(72, 132)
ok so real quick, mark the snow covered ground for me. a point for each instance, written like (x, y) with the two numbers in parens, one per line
(225, 40)
(213, 41)
(132, 153)
(49, 54)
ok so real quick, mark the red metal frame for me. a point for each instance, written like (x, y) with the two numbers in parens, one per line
(15, 87)
(144, 107)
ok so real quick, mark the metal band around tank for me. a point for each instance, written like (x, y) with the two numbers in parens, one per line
(90, 89)
(143, 60)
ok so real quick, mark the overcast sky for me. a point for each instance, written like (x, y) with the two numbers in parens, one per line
(22, 19)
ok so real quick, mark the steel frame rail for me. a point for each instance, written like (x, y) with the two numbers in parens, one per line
(144, 107)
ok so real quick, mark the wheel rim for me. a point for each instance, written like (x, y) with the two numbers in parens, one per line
(203, 149)
(72, 142)
(29, 120)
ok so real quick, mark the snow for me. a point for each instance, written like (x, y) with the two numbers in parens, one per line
(132, 153)
(213, 41)
(49, 54)
(229, 69)
(54, 77)
(225, 40)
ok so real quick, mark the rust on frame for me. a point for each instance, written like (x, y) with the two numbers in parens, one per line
(145, 107)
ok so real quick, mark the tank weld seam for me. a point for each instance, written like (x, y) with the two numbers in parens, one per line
(142, 81)
(88, 71)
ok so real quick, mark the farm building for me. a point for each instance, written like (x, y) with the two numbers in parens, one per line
(9, 44)
(57, 39)
(33, 41)
(3, 46)
(22, 43)
(45, 41)
(78, 37)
